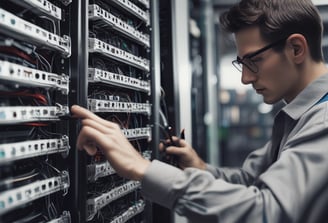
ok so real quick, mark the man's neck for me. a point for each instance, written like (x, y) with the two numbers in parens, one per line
(313, 70)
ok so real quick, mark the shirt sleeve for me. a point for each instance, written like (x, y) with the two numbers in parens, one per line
(200, 197)
(255, 164)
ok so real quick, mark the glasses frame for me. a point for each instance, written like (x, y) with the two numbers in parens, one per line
(254, 68)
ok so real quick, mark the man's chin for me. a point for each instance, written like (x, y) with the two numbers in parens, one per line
(270, 101)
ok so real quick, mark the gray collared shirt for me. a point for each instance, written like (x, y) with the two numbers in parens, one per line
(274, 181)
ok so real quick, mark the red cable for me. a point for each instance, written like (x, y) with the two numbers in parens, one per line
(18, 53)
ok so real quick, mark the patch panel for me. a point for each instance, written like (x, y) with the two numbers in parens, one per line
(25, 76)
(95, 204)
(134, 9)
(35, 77)
(107, 97)
(22, 30)
(97, 75)
(130, 213)
(42, 6)
(137, 133)
(97, 13)
(96, 105)
(98, 170)
(13, 198)
(98, 46)
(64, 218)
(32, 148)
(21, 114)
(119, 64)
(103, 169)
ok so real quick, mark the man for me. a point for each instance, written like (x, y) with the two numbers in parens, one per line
(279, 54)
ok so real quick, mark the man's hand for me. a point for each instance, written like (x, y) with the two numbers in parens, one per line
(107, 136)
(187, 156)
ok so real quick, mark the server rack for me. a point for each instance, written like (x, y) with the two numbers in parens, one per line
(35, 50)
(118, 90)
(53, 54)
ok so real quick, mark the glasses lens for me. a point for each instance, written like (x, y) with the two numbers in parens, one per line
(250, 64)
(245, 62)
(238, 65)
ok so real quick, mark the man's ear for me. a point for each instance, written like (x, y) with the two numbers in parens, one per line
(298, 47)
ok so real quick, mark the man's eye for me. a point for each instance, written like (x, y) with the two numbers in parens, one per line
(256, 59)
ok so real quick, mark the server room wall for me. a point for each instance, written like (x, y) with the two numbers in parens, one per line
(43, 47)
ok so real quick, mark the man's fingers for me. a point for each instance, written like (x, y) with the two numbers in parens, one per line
(178, 142)
(87, 138)
(80, 112)
(162, 146)
(173, 150)
(91, 149)
(97, 126)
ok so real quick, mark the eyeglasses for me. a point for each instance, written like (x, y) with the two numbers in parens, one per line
(247, 59)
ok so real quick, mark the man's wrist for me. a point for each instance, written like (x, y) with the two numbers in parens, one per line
(201, 164)
(141, 169)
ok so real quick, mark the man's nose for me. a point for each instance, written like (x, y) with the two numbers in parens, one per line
(247, 76)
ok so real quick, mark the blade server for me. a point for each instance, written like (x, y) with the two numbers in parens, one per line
(35, 49)
(119, 91)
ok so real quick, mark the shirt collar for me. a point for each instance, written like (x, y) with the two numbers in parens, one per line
(307, 98)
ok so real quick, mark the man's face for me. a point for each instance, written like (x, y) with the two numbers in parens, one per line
(276, 77)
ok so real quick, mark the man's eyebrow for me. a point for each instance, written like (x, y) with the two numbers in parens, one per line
(248, 54)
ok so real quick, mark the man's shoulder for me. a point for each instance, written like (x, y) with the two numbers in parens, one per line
(313, 123)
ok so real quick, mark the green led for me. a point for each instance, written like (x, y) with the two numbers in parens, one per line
(10, 200)
(2, 154)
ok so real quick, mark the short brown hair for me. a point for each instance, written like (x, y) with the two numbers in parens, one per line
(277, 19)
